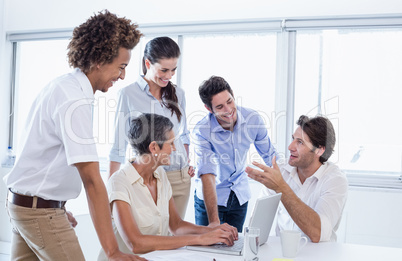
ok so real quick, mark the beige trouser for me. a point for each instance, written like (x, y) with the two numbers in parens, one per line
(181, 183)
(42, 234)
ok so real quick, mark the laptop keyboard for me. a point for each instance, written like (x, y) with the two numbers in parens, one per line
(237, 246)
(221, 248)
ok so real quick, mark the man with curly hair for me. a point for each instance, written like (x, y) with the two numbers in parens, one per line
(58, 150)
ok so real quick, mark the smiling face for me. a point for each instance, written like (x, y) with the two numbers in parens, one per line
(224, 108)
(302, 152)
(161, 73)
(104, 76)
(167, 149)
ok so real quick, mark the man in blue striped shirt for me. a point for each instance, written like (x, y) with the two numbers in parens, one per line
(222, 141)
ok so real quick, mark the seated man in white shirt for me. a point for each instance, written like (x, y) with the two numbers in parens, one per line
(314, 191)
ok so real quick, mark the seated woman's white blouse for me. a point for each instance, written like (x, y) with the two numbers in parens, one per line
(127, 185)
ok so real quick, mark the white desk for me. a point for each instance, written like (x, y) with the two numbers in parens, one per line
(311, 252)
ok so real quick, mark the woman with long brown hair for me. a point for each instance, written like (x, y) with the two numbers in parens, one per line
(155, 93)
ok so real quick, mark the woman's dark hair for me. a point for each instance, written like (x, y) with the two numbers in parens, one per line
(155, 50)
(146, 128)
(98, 40)
(211, 87)
(321, 133)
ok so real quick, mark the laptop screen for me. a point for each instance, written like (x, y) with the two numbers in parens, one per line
(264, 214)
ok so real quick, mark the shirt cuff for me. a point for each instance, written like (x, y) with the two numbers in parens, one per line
(84, 158)
(117, 195)
(207, 170)
(185, 139)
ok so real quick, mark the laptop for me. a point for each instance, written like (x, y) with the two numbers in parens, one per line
(262, 217)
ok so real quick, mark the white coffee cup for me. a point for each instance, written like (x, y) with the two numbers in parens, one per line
(290, 240)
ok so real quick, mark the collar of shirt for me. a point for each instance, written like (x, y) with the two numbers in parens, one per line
(143, 84)
(320, 171)
(293, 172)
(133, 176)
(293, 175)
(84, 83)
(216, 127)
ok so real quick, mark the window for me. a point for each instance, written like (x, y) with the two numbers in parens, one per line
(353, 77)
(38, 63)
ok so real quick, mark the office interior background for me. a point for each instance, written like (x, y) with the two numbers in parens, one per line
(342, 59)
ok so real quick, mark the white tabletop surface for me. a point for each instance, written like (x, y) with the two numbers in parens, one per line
(272, 249)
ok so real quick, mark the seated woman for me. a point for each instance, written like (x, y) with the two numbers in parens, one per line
(141, 200)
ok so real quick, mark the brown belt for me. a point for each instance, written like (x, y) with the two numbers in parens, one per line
(28, 201)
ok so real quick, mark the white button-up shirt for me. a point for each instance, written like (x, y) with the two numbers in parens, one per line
(152, 219)
(325, 192)
(58, 133)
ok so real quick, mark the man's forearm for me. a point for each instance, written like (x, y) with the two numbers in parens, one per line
(210, 197)
(101, 217)
(98, 204)
(305, 217)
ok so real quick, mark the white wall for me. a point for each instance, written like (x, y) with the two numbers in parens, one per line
(372, 217)
(49, 14)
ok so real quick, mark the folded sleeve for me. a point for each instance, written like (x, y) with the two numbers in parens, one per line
(118, 190)
(73, 123)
